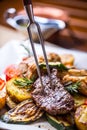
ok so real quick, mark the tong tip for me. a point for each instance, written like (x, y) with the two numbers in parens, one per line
(27, 2)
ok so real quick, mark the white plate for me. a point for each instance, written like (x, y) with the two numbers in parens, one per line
(13, 52)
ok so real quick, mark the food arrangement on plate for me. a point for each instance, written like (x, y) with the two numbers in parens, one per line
(63, 103)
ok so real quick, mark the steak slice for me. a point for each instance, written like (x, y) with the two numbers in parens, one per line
(53, 99)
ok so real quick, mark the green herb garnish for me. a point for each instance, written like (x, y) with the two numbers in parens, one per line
(73, 88)
(24, 83)
(62, 67)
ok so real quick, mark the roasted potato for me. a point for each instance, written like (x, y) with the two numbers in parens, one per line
(75, 75)
(53, 57)
(16, 92)
(2, 101)
(83, 88)
(77, 72)
(79, 100)
(67, 59)
(2, 93)
(81, 117)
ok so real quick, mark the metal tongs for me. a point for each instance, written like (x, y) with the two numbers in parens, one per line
(29, 9)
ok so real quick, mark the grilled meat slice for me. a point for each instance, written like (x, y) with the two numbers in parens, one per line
(27, 67)
(53, 99)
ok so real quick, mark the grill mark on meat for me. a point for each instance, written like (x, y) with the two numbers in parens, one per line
(54, 100)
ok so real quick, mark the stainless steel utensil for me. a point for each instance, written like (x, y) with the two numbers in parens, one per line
(29, 9)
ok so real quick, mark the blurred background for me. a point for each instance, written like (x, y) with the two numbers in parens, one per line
(65, 24)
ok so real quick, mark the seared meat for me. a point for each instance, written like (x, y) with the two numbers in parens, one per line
(27, 68)
(53, 99)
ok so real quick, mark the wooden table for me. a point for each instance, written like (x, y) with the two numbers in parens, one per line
(77, 11)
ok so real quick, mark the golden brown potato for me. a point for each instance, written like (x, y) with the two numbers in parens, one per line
(81, 117)
(2, 98)
(2, 102)
(75, 75)
(79, 100)
(53, 57)
(83, 88)
(16, 92)
(67, 59)
(77, 72)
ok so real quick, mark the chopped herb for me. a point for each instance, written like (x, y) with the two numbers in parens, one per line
(73, 88)
(24, 83)
(27, 49)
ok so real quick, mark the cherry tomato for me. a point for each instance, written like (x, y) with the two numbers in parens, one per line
(11, 71)
(2, 84)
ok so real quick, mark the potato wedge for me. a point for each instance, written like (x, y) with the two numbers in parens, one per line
(53, 57)
(83, 88)
(81, 117)
(2, 93)
(82, 79)
(79, 100)
(2, 102)
(16, 92)
(67, 59)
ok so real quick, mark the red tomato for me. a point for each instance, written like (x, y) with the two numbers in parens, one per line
(11, 71)
(2, 84)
